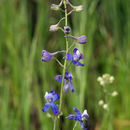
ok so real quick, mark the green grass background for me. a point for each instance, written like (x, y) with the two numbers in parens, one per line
(24, 78)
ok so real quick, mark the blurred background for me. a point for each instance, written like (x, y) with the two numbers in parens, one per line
(24, 78)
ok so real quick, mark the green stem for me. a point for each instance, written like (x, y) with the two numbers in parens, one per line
(65, 62)
(55, 119)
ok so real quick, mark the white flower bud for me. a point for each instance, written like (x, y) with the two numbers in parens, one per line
(78, 8)
(105, 106)
(111, 79)
(55, 7)
(101, 102)
(115, 93)
(99, 79)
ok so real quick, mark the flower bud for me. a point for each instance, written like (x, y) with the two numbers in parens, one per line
(78, 8)
(46, 56)
(99, 79)
(54, 28)
(67, 29)
(115, 93)
(111, 79)
(101, 102)
(55, 7)
(105, 106)
(81, 40)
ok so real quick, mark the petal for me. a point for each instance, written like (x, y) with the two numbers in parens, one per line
(52, 91)
(82, 125)
(71, 116)
(77, 111)
(81, 57)
(76, 54)
(75, 51)
(46, 107)
(54, 108)
(80, 64)
(66, 86)
(78, 117)
(71, 87)
(70, 76)
(66, 74)
(75, 62)
(69, 57)
(58, 78)
(43, 60)
(56, 97)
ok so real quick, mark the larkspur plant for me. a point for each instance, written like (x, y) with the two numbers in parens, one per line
(66, 78)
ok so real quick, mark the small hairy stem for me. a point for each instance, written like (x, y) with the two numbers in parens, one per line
(75, 125)
(59, 62)
(71, 46)
(64, 17)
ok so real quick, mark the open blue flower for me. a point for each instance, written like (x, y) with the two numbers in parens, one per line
(67, 81)
(75, 57)
(51, 97)
(79, 117)
(47, 56)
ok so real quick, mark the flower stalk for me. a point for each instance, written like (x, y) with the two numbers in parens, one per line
(66, 78)
(65, 62)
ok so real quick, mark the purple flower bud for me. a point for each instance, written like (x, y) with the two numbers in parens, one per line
(46, 56)
(54, 28)
(81, 40)
(67, 29)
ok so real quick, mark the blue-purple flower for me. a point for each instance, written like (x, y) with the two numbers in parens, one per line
(67, 81)
(75, 57)
(81, 39)
(51, 97)
(79, 117)
(47, 56)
